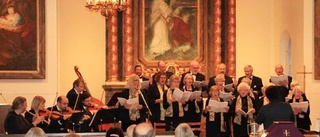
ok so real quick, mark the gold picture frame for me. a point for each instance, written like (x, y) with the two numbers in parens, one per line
(22, 44)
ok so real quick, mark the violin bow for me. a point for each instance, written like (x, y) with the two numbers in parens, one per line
(54, 101)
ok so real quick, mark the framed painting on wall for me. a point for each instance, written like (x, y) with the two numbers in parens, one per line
(22, 39)
(171, 30)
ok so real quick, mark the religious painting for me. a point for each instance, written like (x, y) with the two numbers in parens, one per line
(22, 39)
(170, 29)
(317, 40)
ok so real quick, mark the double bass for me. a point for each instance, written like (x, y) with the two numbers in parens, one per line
(96, 103)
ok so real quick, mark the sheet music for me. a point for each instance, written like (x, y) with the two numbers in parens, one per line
(144, 84)
(200, 84)
(180, 95)
(133, 101)
(218, 106)
(195, 94)
(225, 96)
(303, 105)
(276, 79)
(229, 86)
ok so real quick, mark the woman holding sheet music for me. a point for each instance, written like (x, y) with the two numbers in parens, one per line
(220, 80)
(193, 108)
(129, 114)
(243, 109)
(302, 118)
(217, 121)
(174, 107)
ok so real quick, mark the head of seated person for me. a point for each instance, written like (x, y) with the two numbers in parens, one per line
(130, 130)
(272, 93)
(143, 130)
(183, 130)
(115, 132)
(35, 132)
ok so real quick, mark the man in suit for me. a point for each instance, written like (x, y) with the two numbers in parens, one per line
(59, 125)
(194, 71)
(275, 110)
(86, 100)
(285, 85)
(162, 69)
(256, 82)
(138, 71)
(221, 69)
(75, 93)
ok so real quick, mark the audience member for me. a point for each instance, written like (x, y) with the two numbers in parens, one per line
(35, 132)
(130, 130)
(143, 130)
(115, 132)
(72, 135)
(183, 130)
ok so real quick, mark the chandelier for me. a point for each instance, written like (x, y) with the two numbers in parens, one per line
(106, 6)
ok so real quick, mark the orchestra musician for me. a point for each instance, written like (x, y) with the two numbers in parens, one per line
(72, 95)
(194, 71)
(59, 124)
(243, 110)
(15, 122)
(85, 106)
(155, 97)
(38, 109)
(221, 69)
(130, 114)
(174, 107)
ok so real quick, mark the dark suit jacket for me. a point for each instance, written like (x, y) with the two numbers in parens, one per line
(256, 84)
(228, 80)
(57, 125)
(199, 77)
(274, 111)
(16, 124)
(143, 78)
(124, 113)
(168, 75)
(72, 97)
(154, 94)
(29, 117)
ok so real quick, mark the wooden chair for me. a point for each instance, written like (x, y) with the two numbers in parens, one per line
(159, 127)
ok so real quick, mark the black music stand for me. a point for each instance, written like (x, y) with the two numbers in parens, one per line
(76, 120)
(104, 116)
(114, 99)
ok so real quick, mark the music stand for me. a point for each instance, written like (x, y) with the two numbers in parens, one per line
(114, 99)
(76, 117)
(104, 116)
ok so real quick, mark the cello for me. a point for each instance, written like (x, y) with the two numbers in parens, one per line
(96, 103)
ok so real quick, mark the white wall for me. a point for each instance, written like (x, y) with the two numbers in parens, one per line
(45, 87)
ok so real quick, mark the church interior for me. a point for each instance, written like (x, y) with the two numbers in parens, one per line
(267, 33)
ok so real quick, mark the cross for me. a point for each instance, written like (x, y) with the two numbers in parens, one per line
(304, 77)
(286, 133)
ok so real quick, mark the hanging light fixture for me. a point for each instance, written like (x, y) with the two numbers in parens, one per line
(106, 6)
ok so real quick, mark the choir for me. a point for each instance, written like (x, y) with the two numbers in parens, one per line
(248, 102)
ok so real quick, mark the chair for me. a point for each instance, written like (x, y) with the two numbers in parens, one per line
(159, 127)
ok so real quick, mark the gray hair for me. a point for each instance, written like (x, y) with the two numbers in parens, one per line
(183, 130)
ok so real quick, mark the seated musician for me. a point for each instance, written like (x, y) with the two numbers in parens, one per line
(37, 109)
(72, 95)
(129, 114)
(87, 117)
(59, 124)
(15, 123)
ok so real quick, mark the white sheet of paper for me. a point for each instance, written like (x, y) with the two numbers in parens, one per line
(276, 79)
(229, 86)
(133, 102)
(195, 94)
(218, 106)
(144, 84)
(122, 101)
(197, 83)
(302, 105)
(225, 96)
(186, 95)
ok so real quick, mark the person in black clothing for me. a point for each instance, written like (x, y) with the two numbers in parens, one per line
(77, 90)
(139, 72)
(60, 124)
(285, 85)
(275, 110)
(131, 114)
(174, 107)
(217, 121)
(221, 69)
(302, 118)
(15, 123)
(85, 106)
(162, 66)
(197, 76)
(255, 82)
(155, 98)
(37, 107)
